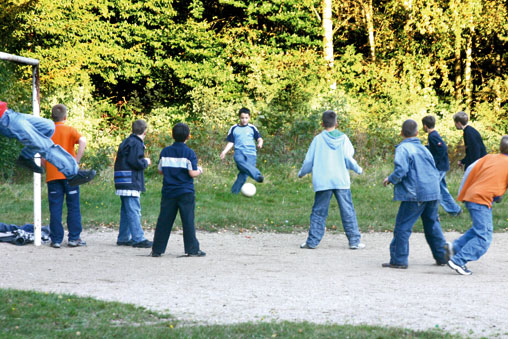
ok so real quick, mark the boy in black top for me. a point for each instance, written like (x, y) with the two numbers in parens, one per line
(439, 151)
(179, 166)
(475, 149)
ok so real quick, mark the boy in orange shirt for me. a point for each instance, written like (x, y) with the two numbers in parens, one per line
(58, 185)
(484, 182)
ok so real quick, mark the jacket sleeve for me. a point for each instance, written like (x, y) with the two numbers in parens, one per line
(309, 160)
(466, 175)
(401, 166)
(136, 157)
(437, 147)
(351, 163)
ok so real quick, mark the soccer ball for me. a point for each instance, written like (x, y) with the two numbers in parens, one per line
(248, 189)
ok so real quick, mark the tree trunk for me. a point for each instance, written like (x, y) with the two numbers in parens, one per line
(328, 35)
(458, 68)
(467, 70)
(369, 17)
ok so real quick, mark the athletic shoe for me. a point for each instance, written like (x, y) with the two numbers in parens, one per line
(82, 177)
(125, 243)
(197, 254)
(306, 246)
(387, 264)
(29, 164)
(463, 270)
(449, 252)
(456, 214)
(357, 246)
(55, 245)
(76, 243)
(261, 179)
(143, 244)
(155, 254)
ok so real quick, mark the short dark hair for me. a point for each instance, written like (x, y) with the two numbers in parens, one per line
(461, 117)
(139, 127)
(243, 110)
(329, 119)
(429, 121)
(409, 128)
(59, 112)
(503, 147)
(181, 132)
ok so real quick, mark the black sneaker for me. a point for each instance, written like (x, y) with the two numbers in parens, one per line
(143, 244)
(261, 178)
(197, 254)
(55, 245)
(82, 177)
(463, 270)
(125, 243)
(155, 254)
(449, 252)
(29, 164)
(402, 267)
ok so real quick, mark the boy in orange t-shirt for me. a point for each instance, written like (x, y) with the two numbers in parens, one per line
(58, 185)
(484, 182)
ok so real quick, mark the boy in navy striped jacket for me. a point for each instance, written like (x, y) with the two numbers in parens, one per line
(179, 166)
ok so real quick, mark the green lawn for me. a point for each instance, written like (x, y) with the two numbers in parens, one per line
(25, 314)
(282, 203)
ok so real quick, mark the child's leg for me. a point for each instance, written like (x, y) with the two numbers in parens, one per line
(55, 200)
(407, 215)
(124, 234)
(133, 218)
(167, 215)
(240, 180)
(348, 215)
(445, 198)
(433, 232)
(186, 205)
(476, 241)
(73, 212)
(318, 217)
(246, 164)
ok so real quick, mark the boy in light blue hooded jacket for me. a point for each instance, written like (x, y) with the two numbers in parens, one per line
(329, 158)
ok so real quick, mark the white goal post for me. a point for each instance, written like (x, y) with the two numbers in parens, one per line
(36, 112)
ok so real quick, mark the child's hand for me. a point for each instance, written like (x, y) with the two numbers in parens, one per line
(222, 155)
(386, 182)
(200, 169)
(148, 161)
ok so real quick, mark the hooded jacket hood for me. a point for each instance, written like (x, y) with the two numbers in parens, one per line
(334, 141)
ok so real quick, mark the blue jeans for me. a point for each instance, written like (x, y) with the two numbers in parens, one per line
(408, 214)
(185, 204)
(320, 213)
(130, 220)
(57, 190)
(35, 134)
(445, 198)
(246, 164)
(476, 241)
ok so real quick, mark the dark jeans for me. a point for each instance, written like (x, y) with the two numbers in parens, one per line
(409, 212)
(184, 204)
(57, 190)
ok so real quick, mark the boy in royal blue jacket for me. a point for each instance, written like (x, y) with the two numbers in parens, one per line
(416, 185)
(179, 166)
(130, 165)
(439, 151)
(329, 158)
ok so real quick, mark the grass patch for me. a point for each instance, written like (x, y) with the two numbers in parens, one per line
(46, 315)
(282, 204)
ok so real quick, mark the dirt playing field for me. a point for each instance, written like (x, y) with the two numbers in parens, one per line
(265, 277)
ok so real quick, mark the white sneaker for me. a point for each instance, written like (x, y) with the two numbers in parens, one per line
(357, 246)
(462, 270)
(449, 252)
(306, 246)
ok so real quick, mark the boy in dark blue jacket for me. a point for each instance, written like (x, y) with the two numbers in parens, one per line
(439, 151)
(179, 166)
(130, 165)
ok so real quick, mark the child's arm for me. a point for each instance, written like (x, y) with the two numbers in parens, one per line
(309, 160)
(228, 147)
(351, 164)
(260, 142)
(195, 173)
(81, 149)
(401, 165)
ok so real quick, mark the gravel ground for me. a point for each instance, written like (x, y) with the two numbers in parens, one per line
(265, 277)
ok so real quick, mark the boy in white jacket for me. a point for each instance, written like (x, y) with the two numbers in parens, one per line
(329, 158)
